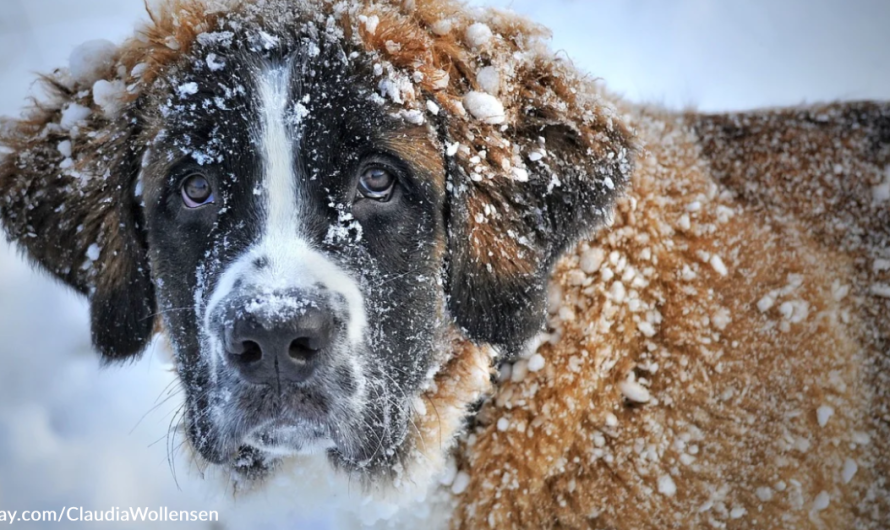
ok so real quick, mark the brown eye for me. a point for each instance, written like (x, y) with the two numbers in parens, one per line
(376, 183)
(196, 191)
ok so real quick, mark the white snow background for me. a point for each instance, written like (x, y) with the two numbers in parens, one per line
(70, 432)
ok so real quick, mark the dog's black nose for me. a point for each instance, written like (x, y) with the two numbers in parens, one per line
(278, 338)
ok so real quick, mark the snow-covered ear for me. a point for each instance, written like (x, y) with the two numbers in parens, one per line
(508, 228)
(67, 197)
(534, 158)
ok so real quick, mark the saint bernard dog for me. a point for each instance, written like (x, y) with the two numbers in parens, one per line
(407, 239)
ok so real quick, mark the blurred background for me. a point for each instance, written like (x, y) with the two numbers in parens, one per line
(72, 434)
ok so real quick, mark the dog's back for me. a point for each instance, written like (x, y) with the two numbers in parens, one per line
(718, 357)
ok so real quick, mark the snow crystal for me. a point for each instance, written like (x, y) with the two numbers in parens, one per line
(718, 265)
(592, 259)
(461, 481)
(520, 175)
(414, 117)
(765, 494)
(451, 149)
(187, 89)
(65, 148)
(72, 115)
(823, 414)
(267, 41)
(214, 62)
(737, 513)
(850, 469)
(109, 96)
(536, 362)
(139, 69)
(822, 501)
(478, 34)
(489, 80)
(223, 38)
(765, 303)
(634, 391)
(646, 328)
(503, 424)
(535, 156)
(433, 108)
(91, 61)
(666, 486)
(370, 23)
(442, 27)
(485, 107)
(93, 252)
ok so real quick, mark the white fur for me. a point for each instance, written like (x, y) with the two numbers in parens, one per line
(292, 262)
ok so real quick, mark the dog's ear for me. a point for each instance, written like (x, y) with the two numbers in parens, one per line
(534, 156)
(68, 185)
(522, 191)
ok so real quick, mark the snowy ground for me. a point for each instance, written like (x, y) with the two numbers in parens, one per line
(74, 435)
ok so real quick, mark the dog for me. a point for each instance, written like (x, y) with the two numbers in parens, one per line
(406, 240)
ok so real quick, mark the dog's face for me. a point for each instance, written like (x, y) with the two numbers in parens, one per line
(296, 238)
(310, 213)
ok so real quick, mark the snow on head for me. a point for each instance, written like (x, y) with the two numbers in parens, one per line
(485, 107)
(109, 95)
(489, 80)
(92, 61)
(72, 115)
(478, 34)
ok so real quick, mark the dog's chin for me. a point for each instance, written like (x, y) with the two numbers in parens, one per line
(280, 439)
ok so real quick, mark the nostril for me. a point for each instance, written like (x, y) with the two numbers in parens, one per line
(303, 348)
(251, 352)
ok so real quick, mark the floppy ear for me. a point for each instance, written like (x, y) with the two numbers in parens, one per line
(67, 198)
(534, 157)
(507, 229)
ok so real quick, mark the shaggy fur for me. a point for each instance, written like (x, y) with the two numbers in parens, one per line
(717, 355)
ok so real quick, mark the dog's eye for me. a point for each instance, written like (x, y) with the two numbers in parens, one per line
(196, 191)
(376, 183)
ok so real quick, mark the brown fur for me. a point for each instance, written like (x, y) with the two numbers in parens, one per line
(733, 389)
(738, 397)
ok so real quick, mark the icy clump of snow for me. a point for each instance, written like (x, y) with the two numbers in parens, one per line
(489, 80)
(93, 252)
(478, 34)
(109, 95)
(485, 107)
(461, 481)
(536, 362)
(442, 27)
(65, 148)
(849, 471)
(634, 391)
(92, 60)
(370, 23)
(214, 62)
(187, 89)
(821, 501)
(718, 265)
(823, 414)
(666, 486)
(72, 115)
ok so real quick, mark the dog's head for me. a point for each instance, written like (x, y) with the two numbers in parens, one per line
(312, 199)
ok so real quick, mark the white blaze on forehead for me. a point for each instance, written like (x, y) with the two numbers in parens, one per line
(290, 259)
(277, 147)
